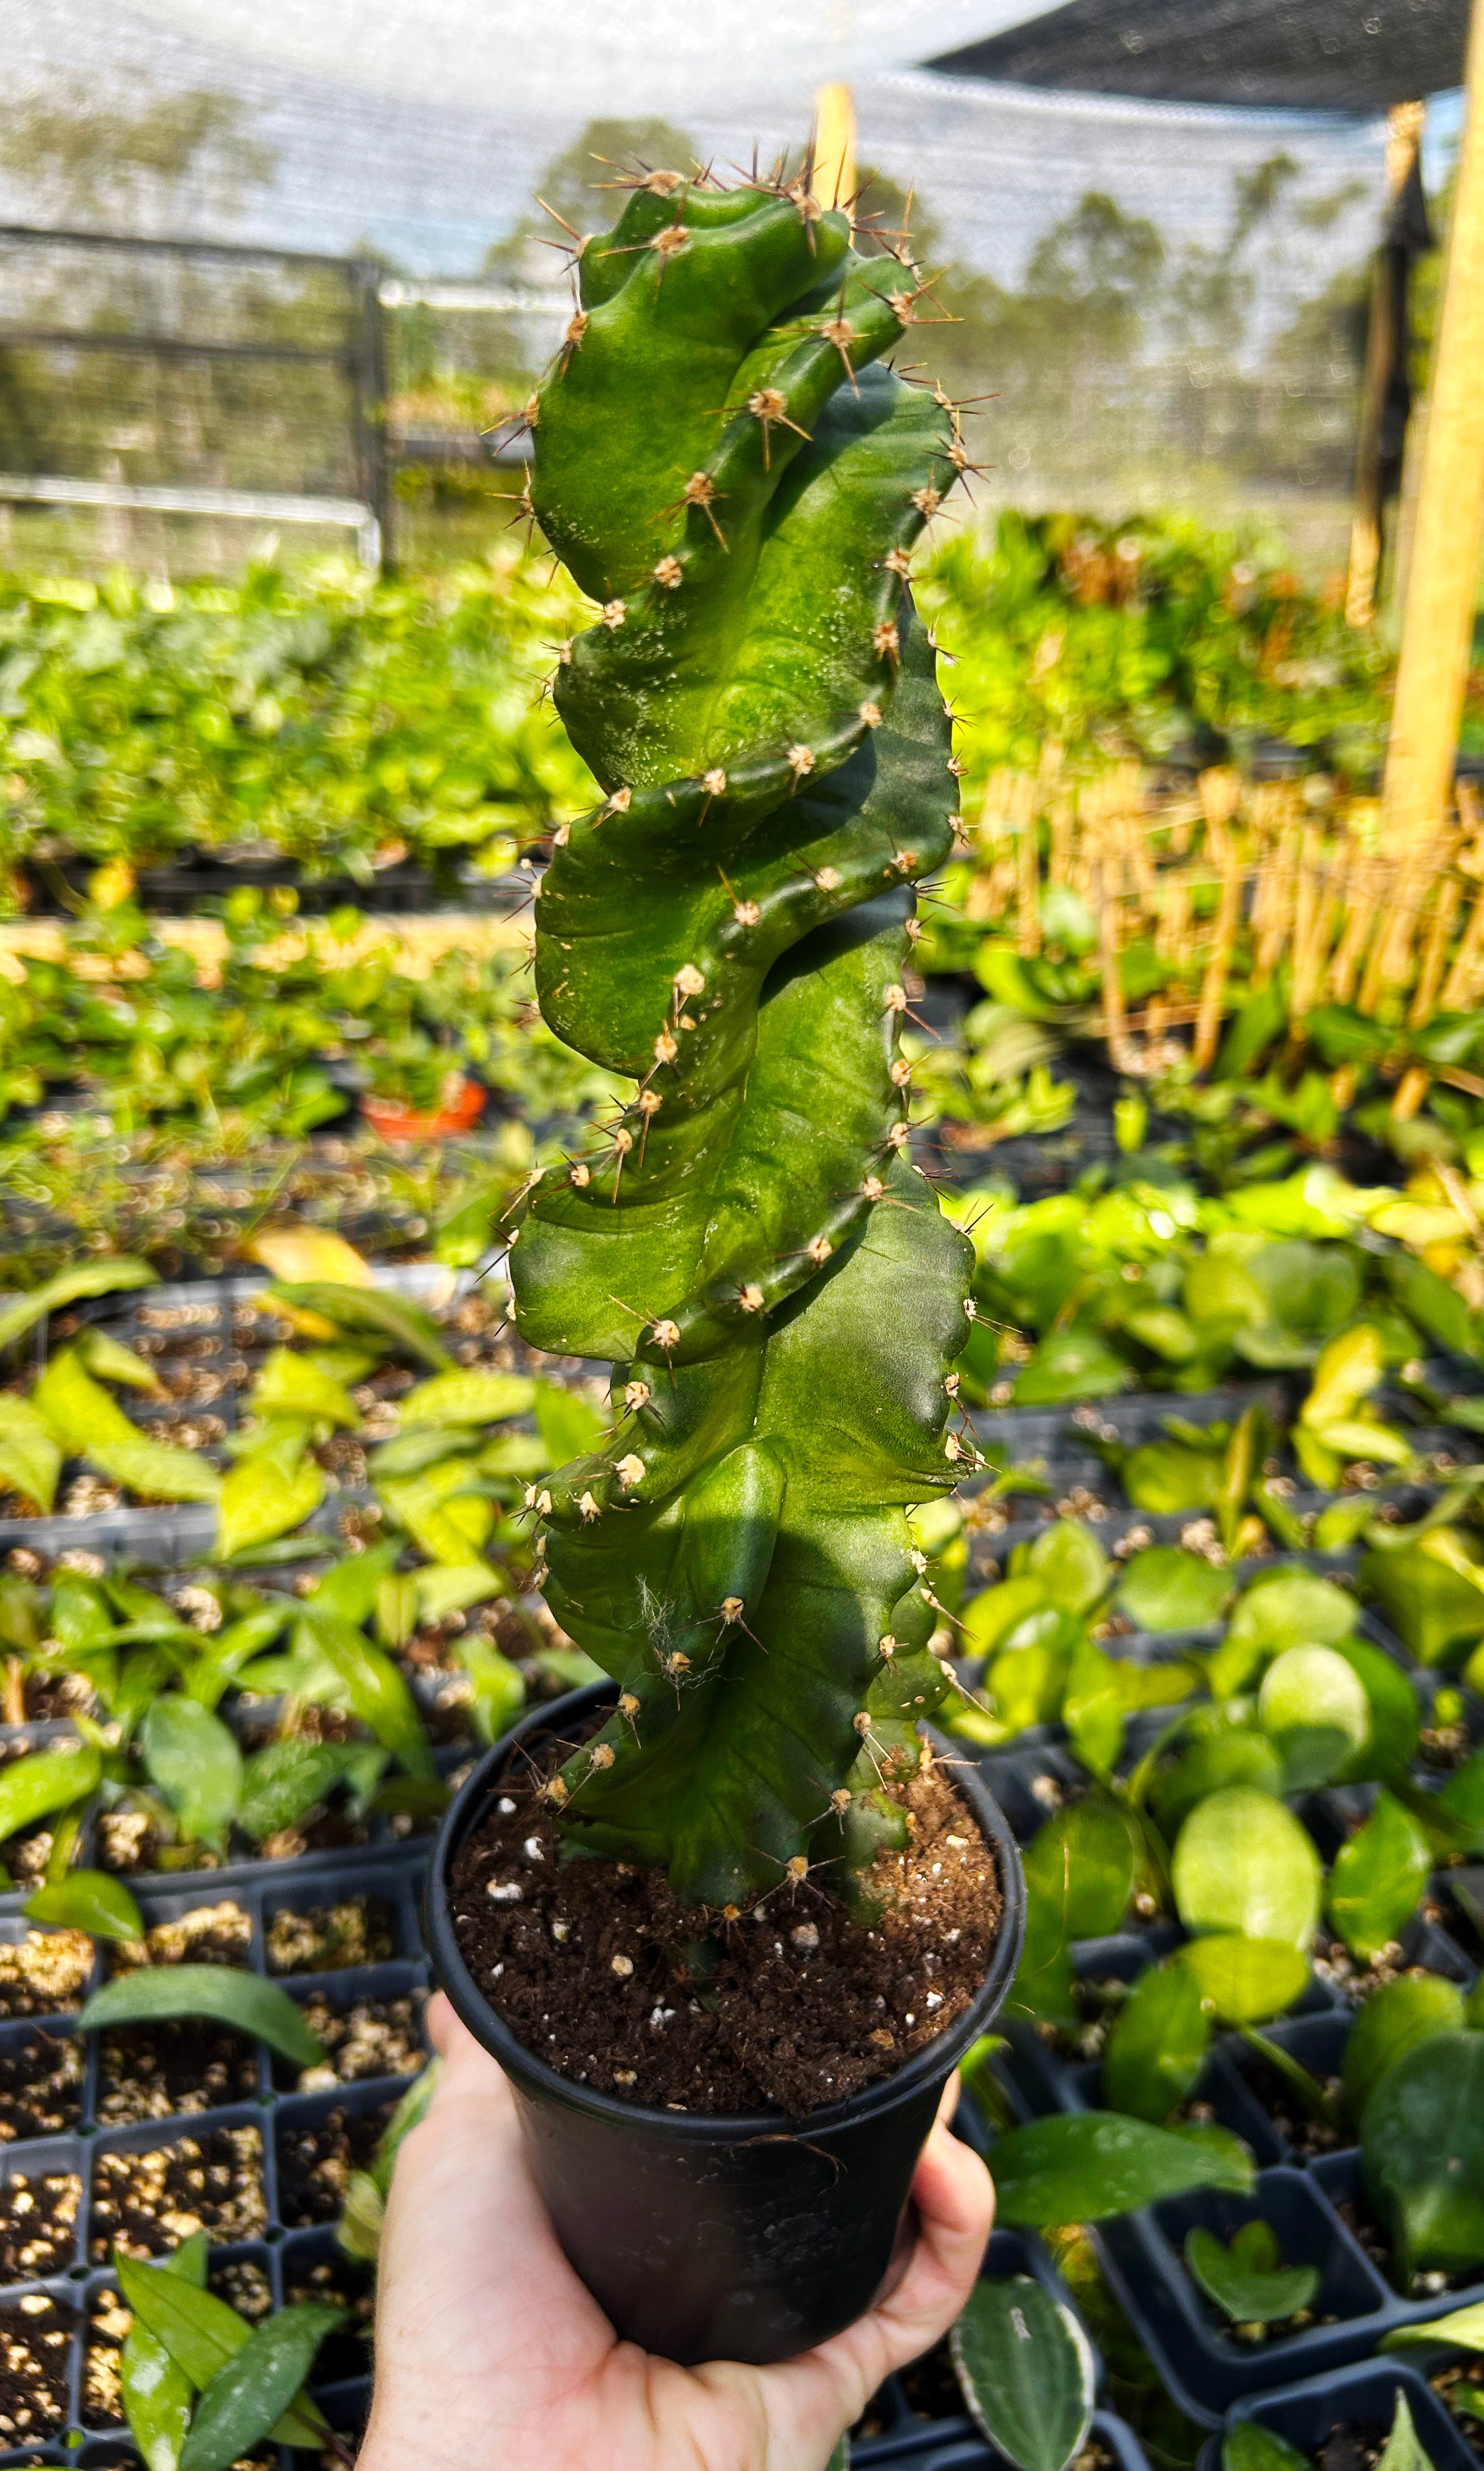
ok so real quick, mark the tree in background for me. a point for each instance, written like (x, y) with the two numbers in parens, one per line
(85, 161)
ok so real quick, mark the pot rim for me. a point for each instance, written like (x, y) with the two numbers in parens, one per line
(935, 2060)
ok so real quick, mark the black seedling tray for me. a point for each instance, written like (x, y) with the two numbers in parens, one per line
(1305, 2185)
(1363, 2395)
(198, 884)
(972, 2451)
(287, 2237)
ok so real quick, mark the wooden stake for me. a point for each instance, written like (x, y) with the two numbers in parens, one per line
(1404, 136)
(1208, 1023)
(833, 179)
(1438, 617)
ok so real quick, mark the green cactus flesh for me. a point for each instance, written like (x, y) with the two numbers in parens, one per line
(724, 466)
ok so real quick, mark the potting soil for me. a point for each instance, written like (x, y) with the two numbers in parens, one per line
(597, 1967)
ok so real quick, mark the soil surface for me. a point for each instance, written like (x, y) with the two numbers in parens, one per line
(153, 2200)
(35, 2341)
(325, 1938)
(593, 1963)
(41, 2087)
(155, 2071)
(315, 2163)
(220, 1933)
(39, 2223)
(342, 2284)
(45, 1973)
(376, 2037)
(1357, 2446)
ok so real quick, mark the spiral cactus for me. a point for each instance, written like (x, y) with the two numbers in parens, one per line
(727, 471)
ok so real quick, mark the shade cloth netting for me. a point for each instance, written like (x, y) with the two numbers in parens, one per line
(1355, 55)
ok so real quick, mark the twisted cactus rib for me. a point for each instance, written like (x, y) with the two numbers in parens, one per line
(724, 469)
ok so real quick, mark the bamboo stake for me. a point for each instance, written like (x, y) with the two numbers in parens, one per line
(1457, 994)
(832, 178)
(1438, 617)
(1404, 136)
(1028, 917)
(1208, 1023)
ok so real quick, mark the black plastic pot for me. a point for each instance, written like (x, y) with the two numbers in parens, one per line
(715, 2237)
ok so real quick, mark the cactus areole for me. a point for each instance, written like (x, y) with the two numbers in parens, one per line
(727, 468)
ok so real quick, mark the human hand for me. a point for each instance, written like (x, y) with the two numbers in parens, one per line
(492, 2356)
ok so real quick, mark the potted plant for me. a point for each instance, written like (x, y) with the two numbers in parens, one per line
(420, 1090)
(730, 2022)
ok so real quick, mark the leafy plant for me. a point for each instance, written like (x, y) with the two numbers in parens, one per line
(1245, 2278)
(1027, 2372)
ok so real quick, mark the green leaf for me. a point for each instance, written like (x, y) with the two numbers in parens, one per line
(1026, 2371)
(1221, 1752)
(1069, 1364)
(109, 1359)
(285, 1781)
(1292, 1609)
(375, 1310)
(1249, 2446)
(71, 1286)
(44, 1782)
(1422, 2154)
(30, 1459)
(1246, 2280)
(1087, 2165)
(1432, 1593)
(376, 1689)
(202, 2333)
(1377, 1878)
(1082, 1863)
(1463, 2330)
(260, 1500)
(1071, 1565)
(1349, 1369)
(442, 1510)
(260, 2009)
(1392, 2022)
(443, 1588)
(569, 1426)
(1163, 1478)
(90, 1901)
(1243, 1863)
(88, 1423)
(291, 1384)
(156, 2392)
(1245, 1980)
(155, 1470)
(1313, 1704)
(1404, 2449)
(473, 1398)
(249, 2393)
(1158, 2045)
(196, 1763)
(1092, 1709)
(1167, 1589)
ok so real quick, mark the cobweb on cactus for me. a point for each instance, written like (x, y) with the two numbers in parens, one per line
(728, 470)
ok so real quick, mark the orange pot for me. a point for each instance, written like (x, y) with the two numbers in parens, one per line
(398, 1123)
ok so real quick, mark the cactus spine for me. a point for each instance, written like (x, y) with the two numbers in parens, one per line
(728, 471)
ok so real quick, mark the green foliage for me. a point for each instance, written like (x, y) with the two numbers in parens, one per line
(780, 1339)
(1088, 2165)
(327, 714)
(1246, 2279)
(244, 2000)
(1027, 2372)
